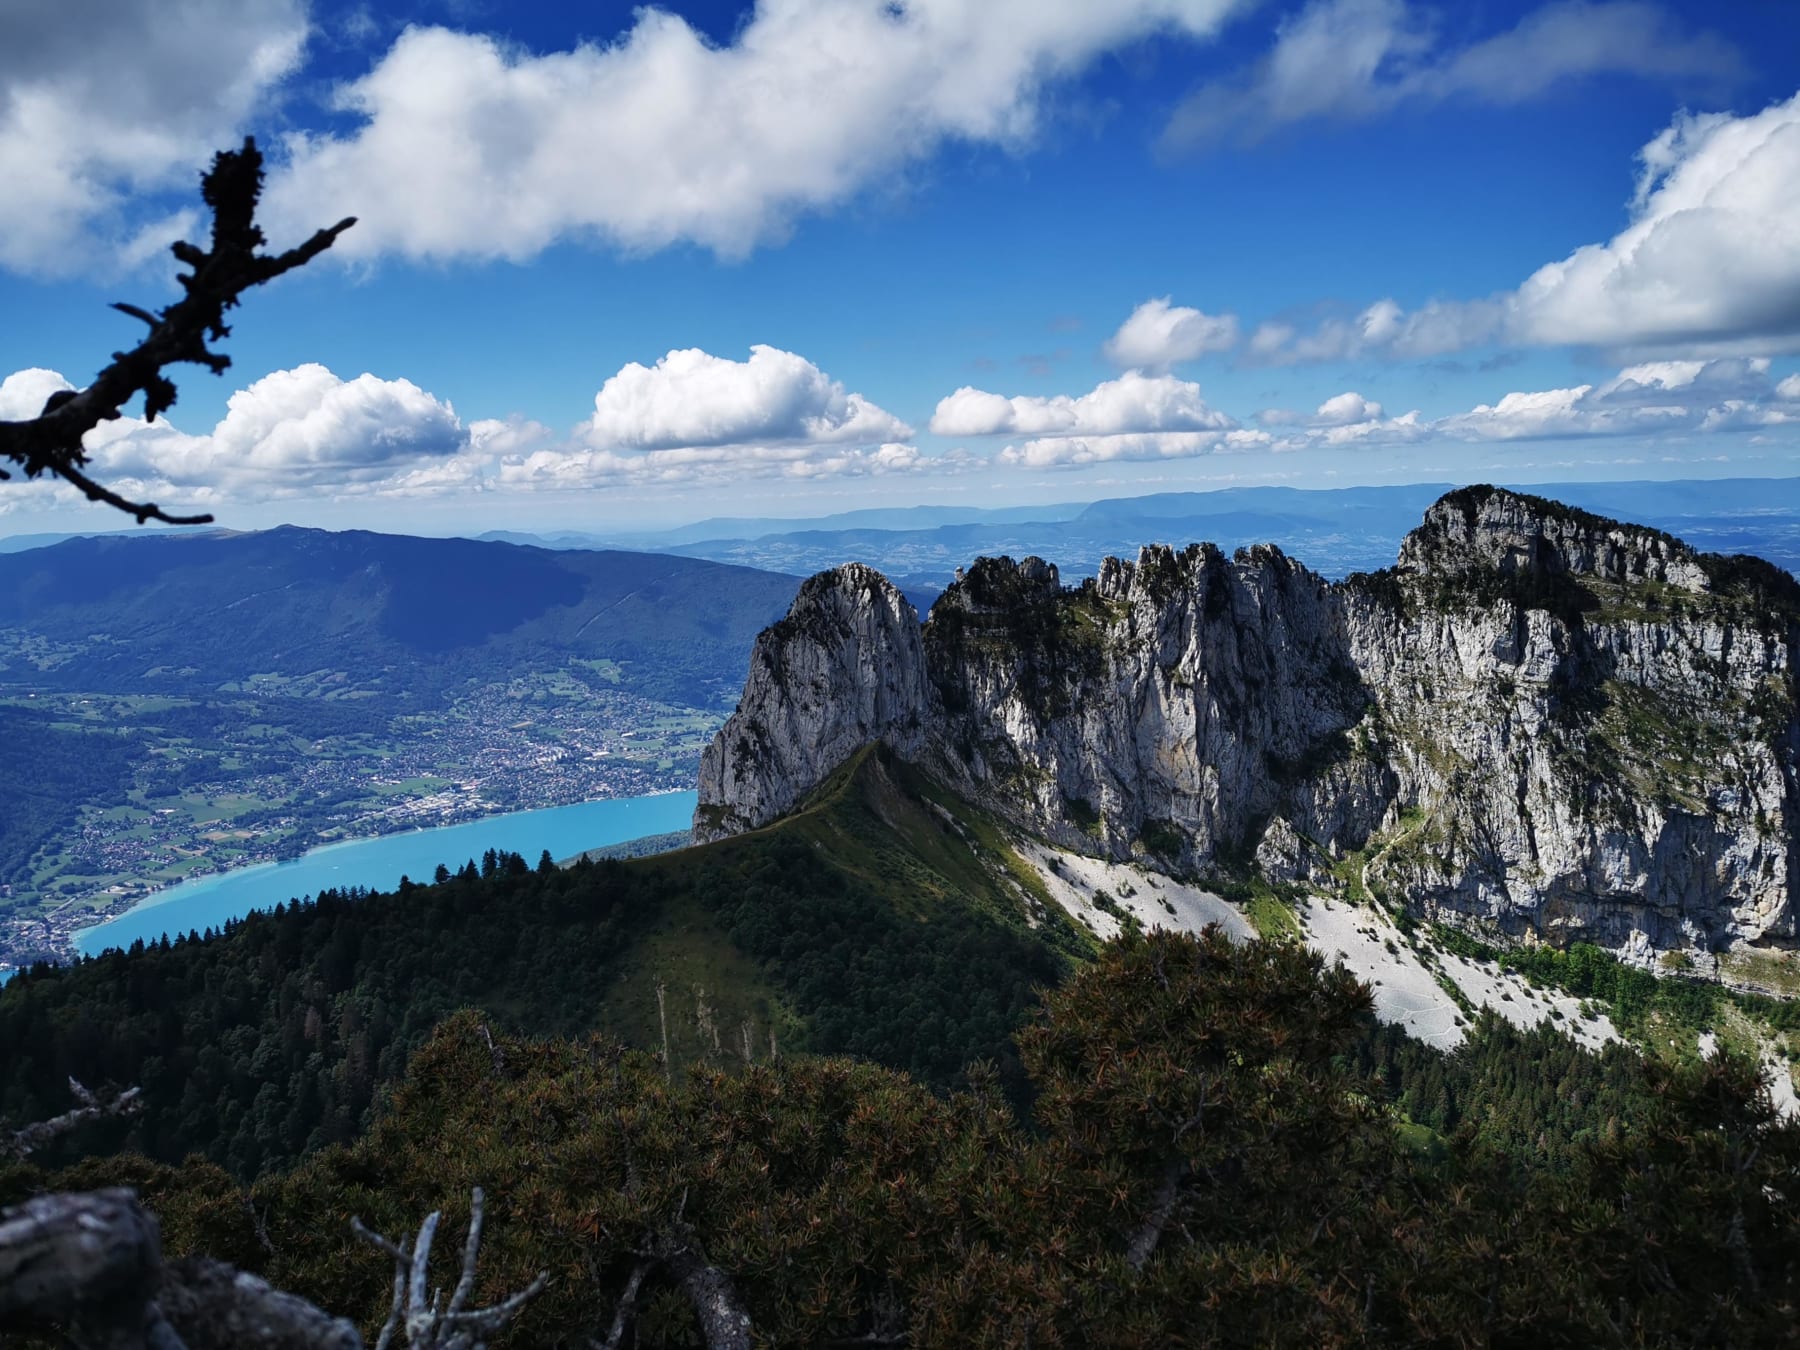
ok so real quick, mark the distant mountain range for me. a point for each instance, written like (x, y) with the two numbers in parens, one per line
(399, 616)
(1337, 530)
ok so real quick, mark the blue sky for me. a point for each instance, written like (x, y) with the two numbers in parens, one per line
(625, 266)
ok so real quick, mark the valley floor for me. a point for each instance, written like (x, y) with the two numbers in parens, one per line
(224, 784)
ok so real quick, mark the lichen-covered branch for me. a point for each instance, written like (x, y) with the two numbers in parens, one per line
(51, 442)
(21, 1143)
(78, 1262)
(1142, 1244)
(713, 1294)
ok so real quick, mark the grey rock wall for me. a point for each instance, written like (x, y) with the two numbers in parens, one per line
(1539, 721)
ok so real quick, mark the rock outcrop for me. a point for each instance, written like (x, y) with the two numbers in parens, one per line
(844, 668)
(1539, 722)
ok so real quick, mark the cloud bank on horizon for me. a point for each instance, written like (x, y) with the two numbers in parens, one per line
(759, 158)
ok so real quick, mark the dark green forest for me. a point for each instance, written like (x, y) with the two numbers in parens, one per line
(47, 774)
(1204, 1161)
(276, 1036)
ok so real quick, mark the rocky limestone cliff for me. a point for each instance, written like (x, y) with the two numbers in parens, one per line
(844, 668)
(1539, 723)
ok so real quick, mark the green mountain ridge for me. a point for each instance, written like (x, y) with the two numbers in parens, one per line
(404, 618)
(886, 920)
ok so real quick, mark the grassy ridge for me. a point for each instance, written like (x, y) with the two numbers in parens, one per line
(868, 923)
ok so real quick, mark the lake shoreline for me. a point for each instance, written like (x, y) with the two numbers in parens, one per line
(380, 861)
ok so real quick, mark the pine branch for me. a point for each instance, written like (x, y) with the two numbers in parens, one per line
(51, 442)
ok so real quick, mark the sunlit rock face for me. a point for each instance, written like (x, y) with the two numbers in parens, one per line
(1539, 722)
(844, 668)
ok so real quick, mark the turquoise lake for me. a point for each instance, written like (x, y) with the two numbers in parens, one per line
(380, 863)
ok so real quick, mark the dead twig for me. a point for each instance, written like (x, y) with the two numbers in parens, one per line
(22, 1143)
(428, 1324)
(50, 443)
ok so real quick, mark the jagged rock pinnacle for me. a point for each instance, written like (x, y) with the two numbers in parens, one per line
(1539, 720)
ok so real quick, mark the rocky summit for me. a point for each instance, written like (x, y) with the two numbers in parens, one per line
(1539, 724)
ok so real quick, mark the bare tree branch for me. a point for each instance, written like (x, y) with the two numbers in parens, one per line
(51, 442)
(21, 1143)
(430, 1325)
(626, 1312)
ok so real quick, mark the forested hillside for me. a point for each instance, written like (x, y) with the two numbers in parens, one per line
(866, 924)
(861, 927)
(1200, 1165)
(47, 774)
(404, 619)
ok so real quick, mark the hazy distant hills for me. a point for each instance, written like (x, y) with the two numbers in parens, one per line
(1337, 530)
(18, 543)
(226, 606)
(398, 615)
(751, 527)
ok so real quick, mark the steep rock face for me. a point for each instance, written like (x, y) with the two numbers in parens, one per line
(1539, 722)
(1167, 707)
(1592, 725)
(844, 668)
(1504, 533)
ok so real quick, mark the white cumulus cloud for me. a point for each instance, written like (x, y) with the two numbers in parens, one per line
(105, 99)
(464, 146)
(307, 422)
(703, 420)
(1347, 407)
(1708, 264)
(1158, 335)
(22, 394)
(1133, 403)
(1711, 255)
(291, 433)
(691, 398)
